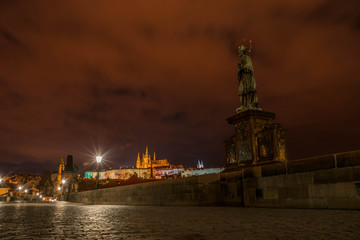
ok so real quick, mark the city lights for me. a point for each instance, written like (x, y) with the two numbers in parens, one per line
(98, 159)
(26, 191)
(63, 181)
(20, 188)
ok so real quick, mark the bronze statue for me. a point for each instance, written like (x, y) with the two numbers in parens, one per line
(247, 84)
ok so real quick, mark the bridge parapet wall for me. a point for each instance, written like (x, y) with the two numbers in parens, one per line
(331, 181)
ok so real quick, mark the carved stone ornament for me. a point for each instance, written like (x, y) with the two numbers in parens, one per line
(243, 131)
(265, 146)
(231, 153)
(281, 136)
(245, 153)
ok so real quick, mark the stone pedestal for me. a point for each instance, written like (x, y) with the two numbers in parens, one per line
(256, 141)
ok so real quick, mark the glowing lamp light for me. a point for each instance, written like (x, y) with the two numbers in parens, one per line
(59, 188)
(98, 159)
(40, 196)
(0, 180)
(63, 181)
(37, 194)
(20, 188)
(26, 190)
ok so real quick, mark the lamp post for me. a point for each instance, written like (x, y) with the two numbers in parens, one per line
(59, 192)
(62, 188)
(98, 161)
(19, 188)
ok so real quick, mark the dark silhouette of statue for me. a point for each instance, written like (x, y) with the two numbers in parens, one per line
(247, 84)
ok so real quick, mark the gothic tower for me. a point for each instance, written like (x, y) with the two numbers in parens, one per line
(61, 170)
(147, 158)
(138, 163)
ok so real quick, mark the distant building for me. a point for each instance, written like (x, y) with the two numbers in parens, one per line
(145, 168)
(120, 173)
(4, 189)
(200, 164)
(69, 166)
(147, 162)
(45, 185)
(196, 171)
(170, 172)
(68, 172)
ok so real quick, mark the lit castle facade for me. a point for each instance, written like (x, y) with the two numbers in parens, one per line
(147, 162)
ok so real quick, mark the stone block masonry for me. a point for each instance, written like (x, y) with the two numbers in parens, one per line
(331, 181)
(192, 191)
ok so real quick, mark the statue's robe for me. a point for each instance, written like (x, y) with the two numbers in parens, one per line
(247, 83)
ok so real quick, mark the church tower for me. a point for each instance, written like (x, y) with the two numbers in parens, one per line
(61, 170)
(147, 152)
(147, 158)
(138, 163)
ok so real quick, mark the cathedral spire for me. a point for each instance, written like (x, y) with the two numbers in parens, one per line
(138, 162)
(154, 156)
(147, 151)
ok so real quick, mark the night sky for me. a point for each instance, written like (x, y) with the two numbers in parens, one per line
(76, 76)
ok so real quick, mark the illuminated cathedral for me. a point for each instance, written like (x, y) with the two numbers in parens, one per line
(147, 162)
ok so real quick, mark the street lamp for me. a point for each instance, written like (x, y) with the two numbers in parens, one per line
(0, 180)
(63, 181)
(26, 191)
(98, 161)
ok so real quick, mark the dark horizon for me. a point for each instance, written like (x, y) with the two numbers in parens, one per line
(84, 78)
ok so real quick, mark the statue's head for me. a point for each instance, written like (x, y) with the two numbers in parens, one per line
(242, 50)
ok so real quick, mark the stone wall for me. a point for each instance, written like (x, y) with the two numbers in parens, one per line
(331, 181)
(198, 190)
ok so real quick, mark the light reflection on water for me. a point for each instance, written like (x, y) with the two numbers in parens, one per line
(77, 221)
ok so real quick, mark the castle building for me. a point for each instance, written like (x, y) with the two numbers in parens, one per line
(147, 162)
(146, 167)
